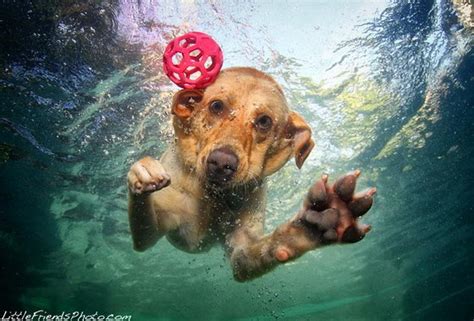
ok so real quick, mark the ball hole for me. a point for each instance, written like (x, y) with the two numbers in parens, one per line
(176, 75)
(177, 58)
(209, 63)
(196, 54)
(195, 75)
(185, 43)
(192, 73)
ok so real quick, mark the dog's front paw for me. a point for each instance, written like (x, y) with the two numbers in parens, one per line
(147, 176)
(333, 211)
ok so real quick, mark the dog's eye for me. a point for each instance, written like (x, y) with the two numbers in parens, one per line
(216, 107)
(263, 123)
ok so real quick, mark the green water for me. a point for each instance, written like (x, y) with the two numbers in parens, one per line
(386, 86)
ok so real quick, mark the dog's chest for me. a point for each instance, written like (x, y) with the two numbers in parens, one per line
(211, 224)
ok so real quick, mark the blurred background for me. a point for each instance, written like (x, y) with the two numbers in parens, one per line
(387, 87)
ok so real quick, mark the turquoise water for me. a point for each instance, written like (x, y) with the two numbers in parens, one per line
(386, 86)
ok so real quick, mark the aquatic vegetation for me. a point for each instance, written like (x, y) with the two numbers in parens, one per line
(413, 134)
(10, 152)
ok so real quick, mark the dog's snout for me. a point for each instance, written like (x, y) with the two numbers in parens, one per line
(222, 164)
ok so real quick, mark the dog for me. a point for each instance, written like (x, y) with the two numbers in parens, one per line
(209, 186)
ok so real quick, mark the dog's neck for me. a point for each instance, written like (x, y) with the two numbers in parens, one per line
(236, 198)
(239, 191)
(232, 195)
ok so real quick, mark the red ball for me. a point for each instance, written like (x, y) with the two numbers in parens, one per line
(193, 61)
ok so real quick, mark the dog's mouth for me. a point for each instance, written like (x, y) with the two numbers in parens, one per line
(218, 181)
(221, 166)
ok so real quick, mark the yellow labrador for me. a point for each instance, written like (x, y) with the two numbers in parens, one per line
(209, 186)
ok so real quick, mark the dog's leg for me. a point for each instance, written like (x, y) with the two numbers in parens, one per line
(145, 177)
(329, 215)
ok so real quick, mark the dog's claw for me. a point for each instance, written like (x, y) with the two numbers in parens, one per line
(352, 234)
(362, 202)
(324, 178)
(317, 198)
(333, 211)
(345, 186)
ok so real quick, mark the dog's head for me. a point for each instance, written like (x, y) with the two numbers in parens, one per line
(239, 129)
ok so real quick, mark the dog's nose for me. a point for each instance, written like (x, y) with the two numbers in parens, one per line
(222, 164)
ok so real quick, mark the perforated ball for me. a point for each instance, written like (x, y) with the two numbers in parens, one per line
(193, 61)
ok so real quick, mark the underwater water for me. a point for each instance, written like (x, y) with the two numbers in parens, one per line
(387, 87)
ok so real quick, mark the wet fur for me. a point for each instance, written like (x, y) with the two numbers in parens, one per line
(173, 197)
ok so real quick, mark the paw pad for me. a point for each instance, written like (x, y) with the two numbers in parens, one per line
(325, 221)
(333, 210)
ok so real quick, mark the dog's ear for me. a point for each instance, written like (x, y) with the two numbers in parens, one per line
(299, 131)
(184, 102)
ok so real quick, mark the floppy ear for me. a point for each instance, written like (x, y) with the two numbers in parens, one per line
(298, 130)
(184, 102)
